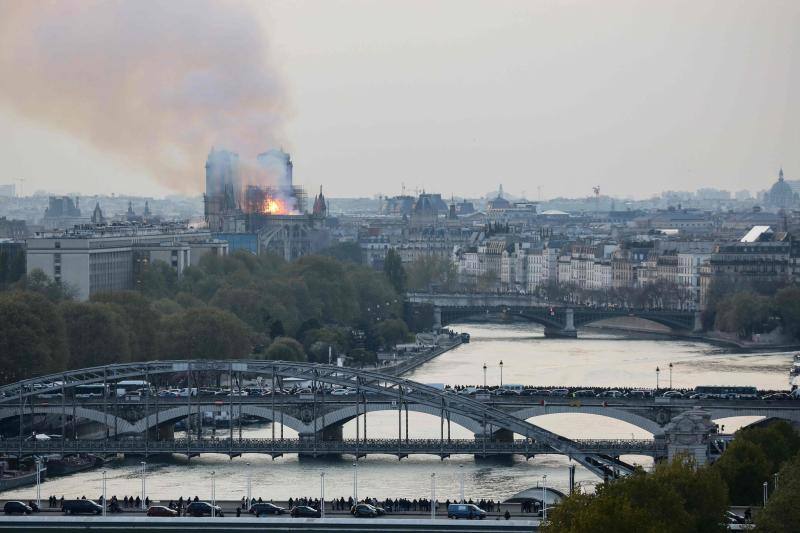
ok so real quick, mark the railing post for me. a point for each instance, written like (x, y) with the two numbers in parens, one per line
(64, 414)
(146, 408)
(188, 409)
(230, 409)
(273, 410)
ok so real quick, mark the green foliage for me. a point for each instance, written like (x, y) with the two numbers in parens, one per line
(143, 321)
(285, 349)
(394, 271)
(97, 334)
(205, 333)
(676, 497)
(32, 336)
(753, 457)
(12, 265)
(787, 303)
(346, 252)
(746, 313)
(158, 280)
(37, 281)
(782, 513)
(431, 269)
(392, 331)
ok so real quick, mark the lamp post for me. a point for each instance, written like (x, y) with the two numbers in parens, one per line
(766, 489)
(461, 469)
(544, 498)
(658, 371)
(501, 373)
(484, 375)
(670, 376)
(249, 485)
(322, 493)
(144, 483)
(213, 496)
(38, 481)
(433, 496)
(355, 483)
(775, 484)
(105, 502)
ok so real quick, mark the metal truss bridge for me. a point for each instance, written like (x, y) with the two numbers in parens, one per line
(19, 397)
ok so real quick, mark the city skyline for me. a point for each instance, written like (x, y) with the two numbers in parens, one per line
(634, 98)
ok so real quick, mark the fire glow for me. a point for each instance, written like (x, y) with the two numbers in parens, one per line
(274, 206)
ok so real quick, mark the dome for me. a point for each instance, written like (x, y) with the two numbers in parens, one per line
(781, 194)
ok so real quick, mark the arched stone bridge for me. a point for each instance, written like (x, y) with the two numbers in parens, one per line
(558, 320)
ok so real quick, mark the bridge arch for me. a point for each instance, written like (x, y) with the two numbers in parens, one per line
(180, 412)
(349, 412)
(107, 420)
(618, 414)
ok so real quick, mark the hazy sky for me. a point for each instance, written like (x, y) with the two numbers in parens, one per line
(450, 96)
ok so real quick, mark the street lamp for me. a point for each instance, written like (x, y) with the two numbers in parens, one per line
(544, 498)
(766, 489)
(775, 485)
(355, 483)
(501, 373)
(658, 371)
(249, 485)
(433, 496)
(484, 375)
(105, 502)
(213, 496)
(144, 483)
(461, 469)
(670, 376)
(322, 493)
(38, 481)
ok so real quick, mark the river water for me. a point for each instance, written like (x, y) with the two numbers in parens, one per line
(596, 359)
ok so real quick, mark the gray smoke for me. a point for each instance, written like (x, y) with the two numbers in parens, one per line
(156, 83)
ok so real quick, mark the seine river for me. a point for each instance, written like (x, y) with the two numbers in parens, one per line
(597, 359)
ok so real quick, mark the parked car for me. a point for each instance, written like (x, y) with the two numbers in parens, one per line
(15, 507)
(81, 507)
(559, 392)
(160, 510)
(733, 518)
(584, 393)
(610, 394)
(266, 508)
(465, 510)
(504, 392)
(364, 510)
(639, 394)
(673, 394)
(202, 509)
(347, 391)
(304, 511)
(777, 396)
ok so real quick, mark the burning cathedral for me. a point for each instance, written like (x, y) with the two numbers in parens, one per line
(257, 207)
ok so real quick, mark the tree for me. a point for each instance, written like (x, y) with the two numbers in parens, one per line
(346, 252)
(744, 467)
(676, 497)
(158, 280)
(97, 333)
(392, 331)
(285, 349)
(329, 285)
(32, 337)
(206, 333)
(394, 271)
(787, 303)
(432, 270)
(782, 513)
(746, 313)
(142, 319)
(37, 281)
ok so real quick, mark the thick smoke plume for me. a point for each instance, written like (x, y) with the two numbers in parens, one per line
(154, 82)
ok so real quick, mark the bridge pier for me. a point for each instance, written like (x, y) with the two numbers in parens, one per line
(698, 322)
(332, 433)
(437, 318)
(568, 331)
(688, 434)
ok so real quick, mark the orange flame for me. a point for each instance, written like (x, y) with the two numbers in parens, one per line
(273, 206)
